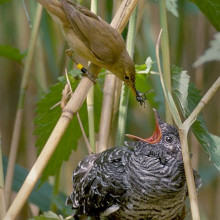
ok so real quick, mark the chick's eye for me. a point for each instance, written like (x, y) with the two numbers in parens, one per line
(126, 77)
(169, 139)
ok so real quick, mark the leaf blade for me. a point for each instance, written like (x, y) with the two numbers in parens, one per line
(199, 127)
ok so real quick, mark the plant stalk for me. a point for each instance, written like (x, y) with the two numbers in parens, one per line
(70, 109)
(106, 115)
(189, 175)
(2, 186)
(166, 55)
(20, 107)
(123, 106)
(90, 97)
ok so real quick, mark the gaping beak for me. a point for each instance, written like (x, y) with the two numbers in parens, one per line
(156, 136)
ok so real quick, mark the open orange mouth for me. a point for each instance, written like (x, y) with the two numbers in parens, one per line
(155, 137)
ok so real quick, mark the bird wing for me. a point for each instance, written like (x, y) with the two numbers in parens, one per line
(104, 184)
(104, 42)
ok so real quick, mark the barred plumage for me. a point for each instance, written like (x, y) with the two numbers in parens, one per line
(143, 180)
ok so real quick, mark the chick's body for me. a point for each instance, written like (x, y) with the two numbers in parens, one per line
(141, 181)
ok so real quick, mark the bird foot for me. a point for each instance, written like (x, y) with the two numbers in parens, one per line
(85, 72)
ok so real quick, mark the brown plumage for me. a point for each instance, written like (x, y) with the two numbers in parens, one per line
(94, 39)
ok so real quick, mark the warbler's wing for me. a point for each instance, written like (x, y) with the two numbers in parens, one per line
(104, 185)
(104, 42)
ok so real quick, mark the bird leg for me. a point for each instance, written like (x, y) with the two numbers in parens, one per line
(85, 72)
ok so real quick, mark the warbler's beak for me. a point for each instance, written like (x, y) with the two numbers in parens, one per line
(133, 89)
(155, 137)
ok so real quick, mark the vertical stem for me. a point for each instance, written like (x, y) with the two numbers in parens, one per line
(90, 97)
(123, 106)
(94, 6)
(189, 175)
(165, 55)
(2, 190)
(106, 116)
(20, 107)
(126, 9)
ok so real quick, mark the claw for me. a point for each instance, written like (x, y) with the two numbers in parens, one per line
(85, 72)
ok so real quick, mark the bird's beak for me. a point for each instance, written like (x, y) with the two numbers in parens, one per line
(133, 89)
(155, 137)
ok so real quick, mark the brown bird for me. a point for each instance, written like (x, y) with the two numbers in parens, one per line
(95, 40)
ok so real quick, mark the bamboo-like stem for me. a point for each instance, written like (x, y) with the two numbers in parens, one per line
(20, 107)
(91, 121)
(123, 106)
(166, 55)
(70, 109)
(110, 79)
(167, 94)
(106, 116)
(90, 97)
(2, 186)
(189, 175)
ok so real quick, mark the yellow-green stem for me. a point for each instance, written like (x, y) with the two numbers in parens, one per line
(189, 175)
(165, 55)
(90, 97)
(123, 106)
(2, 189)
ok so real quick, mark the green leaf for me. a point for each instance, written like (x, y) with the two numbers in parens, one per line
(47, 118)
(187, 102)
(215, 151)
(211, 9)
(211, 54)
(47, 216)
(11, 53)
(180, 84)
(172, 7)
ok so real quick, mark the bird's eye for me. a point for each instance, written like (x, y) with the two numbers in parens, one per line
(126, 77)
(169, 139)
